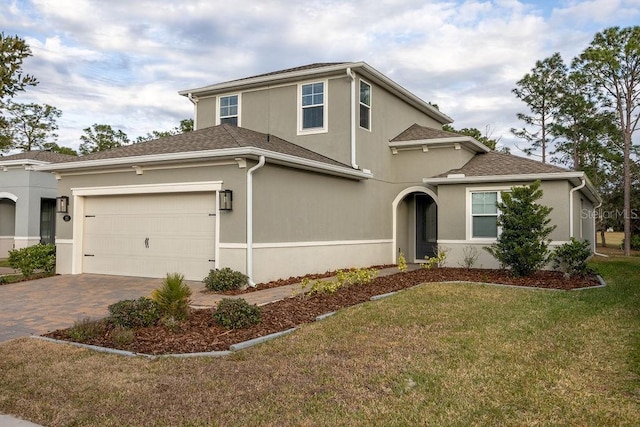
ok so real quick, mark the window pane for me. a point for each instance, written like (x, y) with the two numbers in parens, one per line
(365, 93)
(233, 121)
(485, 226)
(307, 89)
(484, 203)
(364, 116)
(312, 117)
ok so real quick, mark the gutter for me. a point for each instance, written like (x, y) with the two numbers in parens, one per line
(573, 190)
(194, 101)
(353, 118)
(595, 252)
(250, 172)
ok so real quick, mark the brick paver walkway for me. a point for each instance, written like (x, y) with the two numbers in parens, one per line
(43, 305)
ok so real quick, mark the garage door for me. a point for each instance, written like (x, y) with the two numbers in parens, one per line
(150, 235)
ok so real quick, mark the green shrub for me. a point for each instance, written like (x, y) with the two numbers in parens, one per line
(523, 244)
(635, 242)
(358, 276)
(470, 256)
(86, 329)
(173, 296)
(436, 261)
(236, 313)
(572, 257)
(137, 313)
(122, 336)
(402, 263)
(32, 258)
(225, 279)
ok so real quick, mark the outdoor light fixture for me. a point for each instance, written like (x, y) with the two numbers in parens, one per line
(62, 204)
(226, 199)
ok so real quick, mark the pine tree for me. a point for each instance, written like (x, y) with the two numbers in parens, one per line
(523, 244)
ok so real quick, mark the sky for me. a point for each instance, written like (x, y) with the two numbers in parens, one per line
(122, 62)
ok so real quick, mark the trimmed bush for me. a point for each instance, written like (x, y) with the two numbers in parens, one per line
(225, 279)
(136, 313)
(572, 257)
(173, 296)
(32, 258)
(122, 336)
(86, 329)
(236, 313)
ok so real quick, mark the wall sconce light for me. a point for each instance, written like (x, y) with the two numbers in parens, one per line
(226, 200)
(62, 204)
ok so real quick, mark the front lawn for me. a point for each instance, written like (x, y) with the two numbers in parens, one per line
(439, 354)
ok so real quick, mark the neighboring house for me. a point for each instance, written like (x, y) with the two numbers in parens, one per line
(303, 170)
(27, 200)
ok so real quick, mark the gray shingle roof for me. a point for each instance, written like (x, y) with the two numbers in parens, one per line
(292, 70)
(211, 138)
(417, 132)
(494, 163)
(39, 155)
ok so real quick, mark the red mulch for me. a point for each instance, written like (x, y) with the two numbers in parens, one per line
(199, 333)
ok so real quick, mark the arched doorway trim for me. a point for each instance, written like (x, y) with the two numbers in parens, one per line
(394, 207)
(5, 195)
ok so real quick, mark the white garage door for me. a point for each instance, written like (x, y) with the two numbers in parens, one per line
(150, 235)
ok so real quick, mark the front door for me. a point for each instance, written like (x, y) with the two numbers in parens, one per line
(47, 221)
(426, 227)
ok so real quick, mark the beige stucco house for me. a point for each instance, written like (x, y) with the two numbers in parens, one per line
(303, 170)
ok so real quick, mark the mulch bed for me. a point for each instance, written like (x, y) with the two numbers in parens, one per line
(199, 333)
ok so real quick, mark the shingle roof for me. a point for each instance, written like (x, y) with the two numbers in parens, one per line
(494, 163)
(417, 132)
(39, 155)
(294, 69)
(211, 138)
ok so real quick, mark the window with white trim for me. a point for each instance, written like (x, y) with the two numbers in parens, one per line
(365, 105)
(484, 214)
(313, 105)
(228, 110)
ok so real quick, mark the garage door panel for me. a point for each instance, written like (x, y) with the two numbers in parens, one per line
(150, 235)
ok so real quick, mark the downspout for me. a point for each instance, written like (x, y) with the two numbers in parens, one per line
(595, 252)
(194, 101)
(250, 219)
(573, 190)
(353, 118)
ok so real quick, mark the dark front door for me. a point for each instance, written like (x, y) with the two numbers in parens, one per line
(426, 226)
(47, 221)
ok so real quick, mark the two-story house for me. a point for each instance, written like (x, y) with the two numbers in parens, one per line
(303, 170)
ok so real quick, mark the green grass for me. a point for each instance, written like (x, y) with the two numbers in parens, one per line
(4, 263)
(439, 354)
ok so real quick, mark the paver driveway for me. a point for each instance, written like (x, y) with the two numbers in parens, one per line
(39, 306)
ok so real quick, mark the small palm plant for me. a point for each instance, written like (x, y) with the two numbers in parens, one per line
(173, 296)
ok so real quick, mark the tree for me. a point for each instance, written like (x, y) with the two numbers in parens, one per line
(523, 244)
(186, 125)
(540, 90)
(476, 134)
(612, 63)
(29, 126)
(13, 50)
(100, 138)
(55, 148)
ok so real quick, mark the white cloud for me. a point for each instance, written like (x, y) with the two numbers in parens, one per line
(122, 62)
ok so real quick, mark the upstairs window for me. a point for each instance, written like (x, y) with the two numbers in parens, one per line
(365, 105)
(229, 110)
(313, 105)
(484, 214)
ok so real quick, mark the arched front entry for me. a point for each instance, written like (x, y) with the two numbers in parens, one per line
(7, 223)
(415, 224)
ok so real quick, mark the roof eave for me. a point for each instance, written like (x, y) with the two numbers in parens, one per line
(274, 157)
(575, 177)
(467, 140)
